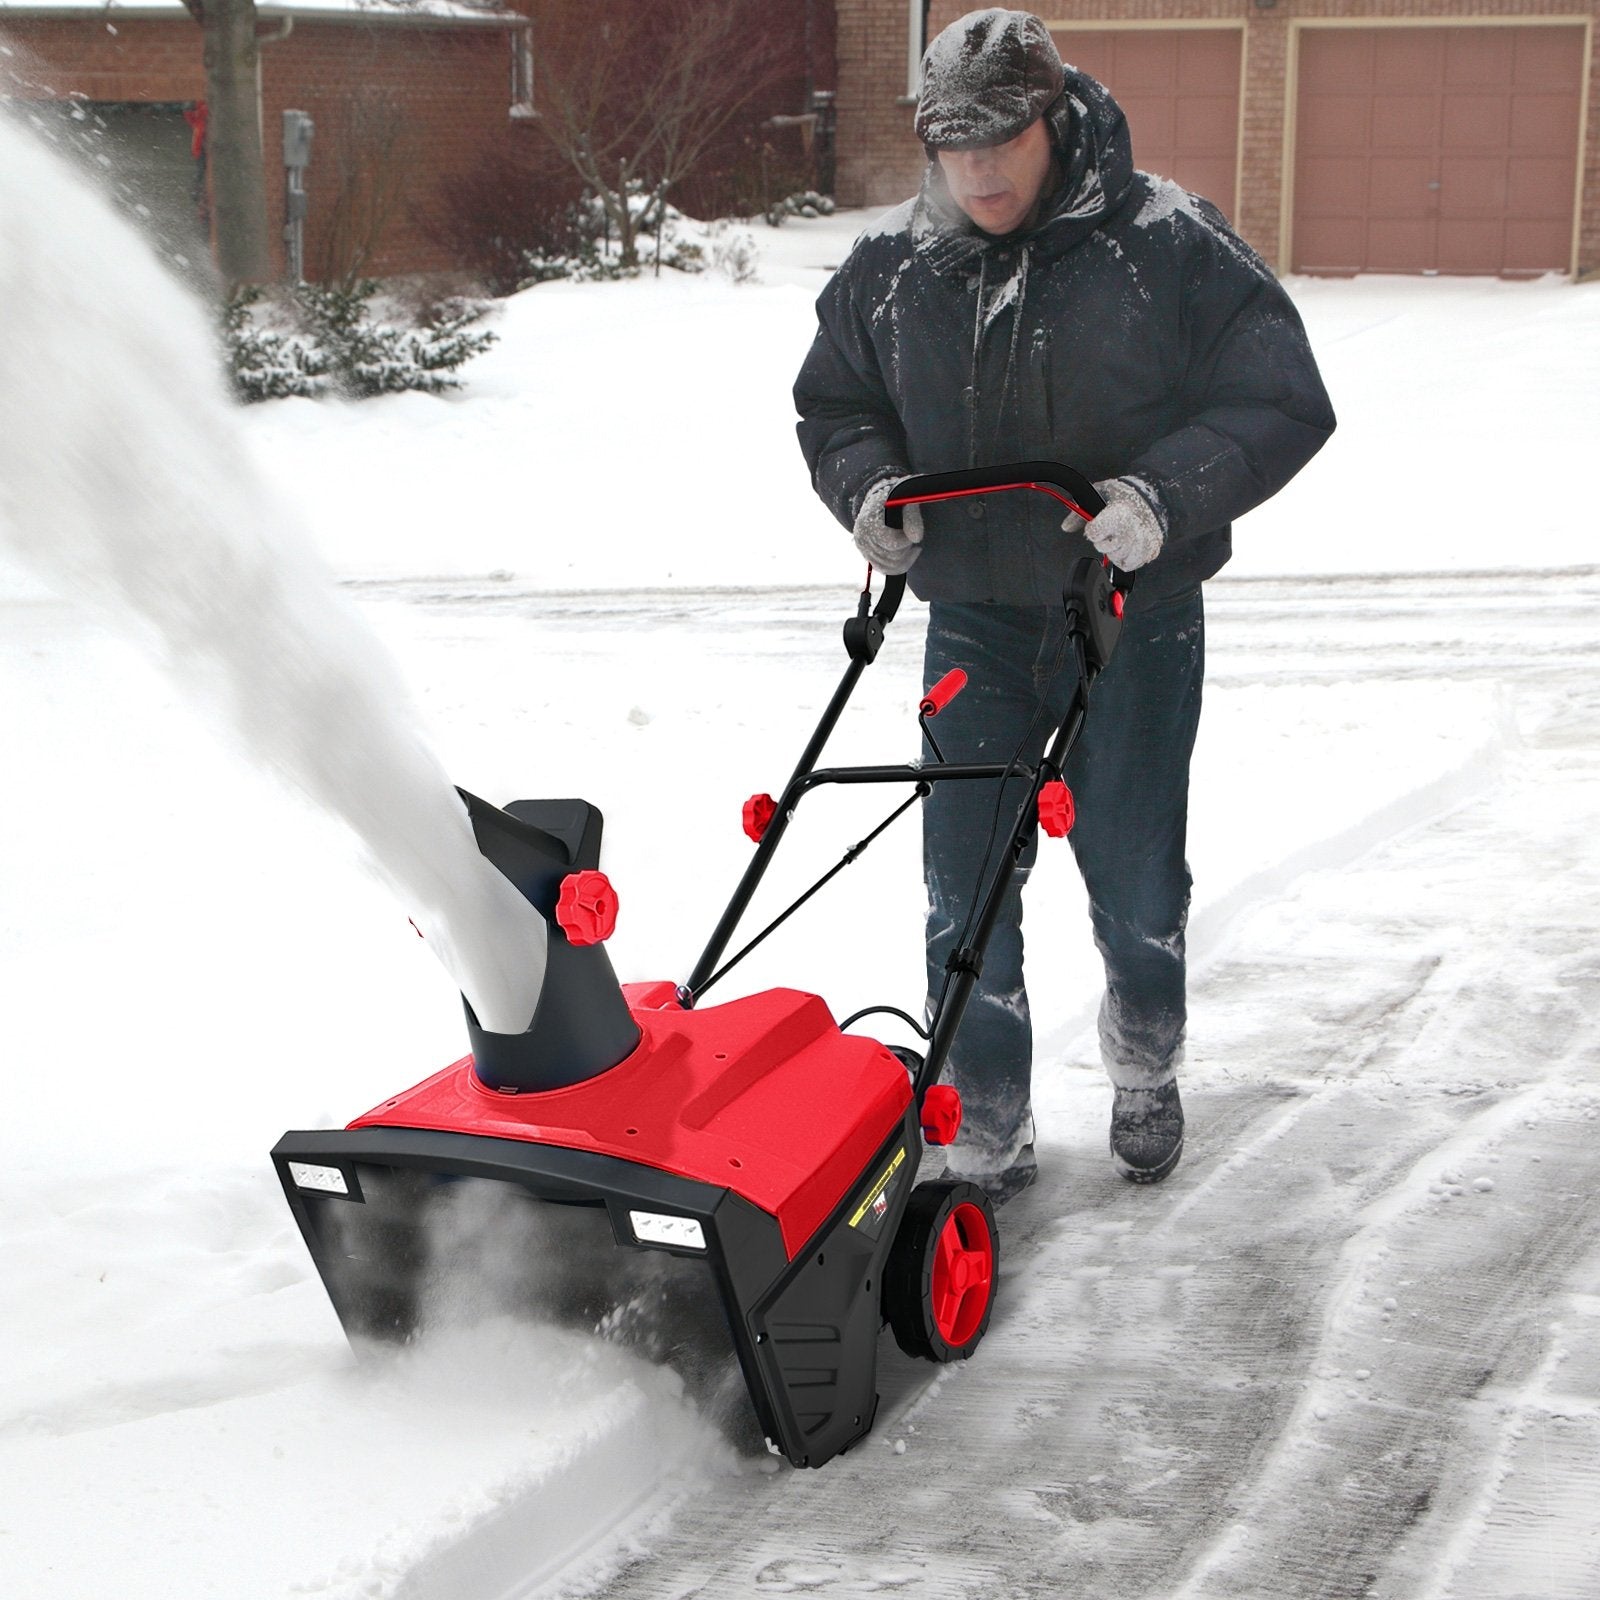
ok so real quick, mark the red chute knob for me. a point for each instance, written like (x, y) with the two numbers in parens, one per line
(586, 909)
(759, 810)
(941, 1114)
(1056, 810)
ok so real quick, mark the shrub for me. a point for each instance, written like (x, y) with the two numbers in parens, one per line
(513, 207)
(807, 203)
(319, 340)
(662, 236)
(267, 362)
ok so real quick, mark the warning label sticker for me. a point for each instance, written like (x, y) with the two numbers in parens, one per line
(874, 1208)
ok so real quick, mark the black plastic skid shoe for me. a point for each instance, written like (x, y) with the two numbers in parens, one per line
(1146, 1132)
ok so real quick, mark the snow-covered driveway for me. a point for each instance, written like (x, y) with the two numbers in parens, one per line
(1348, 1350)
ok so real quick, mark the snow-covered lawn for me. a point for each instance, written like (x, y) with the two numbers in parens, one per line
(1348, 1349)
(643, 435)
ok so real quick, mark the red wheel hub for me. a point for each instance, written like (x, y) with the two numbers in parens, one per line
(963, 1274)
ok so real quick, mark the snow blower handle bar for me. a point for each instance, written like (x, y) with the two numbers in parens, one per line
(1062, 483)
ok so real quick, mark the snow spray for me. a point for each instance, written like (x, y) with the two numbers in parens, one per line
(125, 480)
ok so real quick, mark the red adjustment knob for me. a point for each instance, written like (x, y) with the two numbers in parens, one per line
(759, 810)
(586, 909)
(1057, 813)
(1116, 603)
(941, 1114)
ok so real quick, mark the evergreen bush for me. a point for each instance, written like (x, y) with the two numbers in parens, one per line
(319, 340)
(807, 203)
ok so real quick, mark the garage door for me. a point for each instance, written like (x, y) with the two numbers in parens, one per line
(1180, 90)
(1449, 149)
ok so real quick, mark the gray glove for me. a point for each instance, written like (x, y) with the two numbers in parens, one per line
(891, 550)
(1132, 528)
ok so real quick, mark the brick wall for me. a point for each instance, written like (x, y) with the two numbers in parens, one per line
(138, 59)
(880, 161)
(400, 111)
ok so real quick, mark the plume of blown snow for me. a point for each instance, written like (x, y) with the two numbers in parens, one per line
(125, 481)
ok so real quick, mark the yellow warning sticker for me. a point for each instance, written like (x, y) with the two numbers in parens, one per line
(874, 1205)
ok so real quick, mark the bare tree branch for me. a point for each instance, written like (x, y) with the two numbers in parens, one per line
(373, 155)
(633, 99)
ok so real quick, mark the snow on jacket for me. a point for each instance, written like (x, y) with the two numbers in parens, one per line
(1130, 332)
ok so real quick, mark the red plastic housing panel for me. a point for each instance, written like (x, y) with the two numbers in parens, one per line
(763, 1096)
(659, 996)
(1057, 812)
(586, 908)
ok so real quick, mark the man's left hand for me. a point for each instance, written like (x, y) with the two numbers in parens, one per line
(1130, 531)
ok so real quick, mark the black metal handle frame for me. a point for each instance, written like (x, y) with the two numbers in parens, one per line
(863, 638)
(1093, 622)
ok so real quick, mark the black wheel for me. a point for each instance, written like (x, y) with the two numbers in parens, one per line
(939, 1282)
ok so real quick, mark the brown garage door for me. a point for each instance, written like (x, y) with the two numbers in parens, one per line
(1180, 89)
(1448, 149)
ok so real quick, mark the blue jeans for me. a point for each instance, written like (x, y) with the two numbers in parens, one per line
(1129, 774)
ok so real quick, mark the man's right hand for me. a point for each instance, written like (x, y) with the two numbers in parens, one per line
(891, 550)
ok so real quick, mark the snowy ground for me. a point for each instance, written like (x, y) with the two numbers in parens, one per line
(1348, 1350)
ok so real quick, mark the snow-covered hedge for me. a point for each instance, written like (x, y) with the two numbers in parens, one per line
(351, 343)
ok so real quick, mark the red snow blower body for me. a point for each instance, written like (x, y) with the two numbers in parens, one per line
(748, 1165)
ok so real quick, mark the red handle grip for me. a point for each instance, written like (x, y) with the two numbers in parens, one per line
(942, 693)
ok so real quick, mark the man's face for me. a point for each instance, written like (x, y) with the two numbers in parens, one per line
(999, 185)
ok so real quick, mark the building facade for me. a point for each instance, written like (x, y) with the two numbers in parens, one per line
(427, 131)
(1340, 136)
(402, 98)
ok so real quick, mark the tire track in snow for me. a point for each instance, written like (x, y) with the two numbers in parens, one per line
(1432, 1304)
(1501, 625)
(1394, 1464)
(1143, 1357)
(1142, 1368)
(1539, 1475)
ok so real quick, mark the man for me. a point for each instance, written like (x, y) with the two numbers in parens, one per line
(1040, 299)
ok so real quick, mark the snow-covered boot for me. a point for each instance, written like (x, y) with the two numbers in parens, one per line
(1004, 1183)
(1001, 1167)
(1146, 1132)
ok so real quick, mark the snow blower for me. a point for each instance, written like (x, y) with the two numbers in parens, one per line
(635, 1152)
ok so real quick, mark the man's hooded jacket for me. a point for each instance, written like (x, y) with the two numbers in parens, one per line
(1130, 332)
